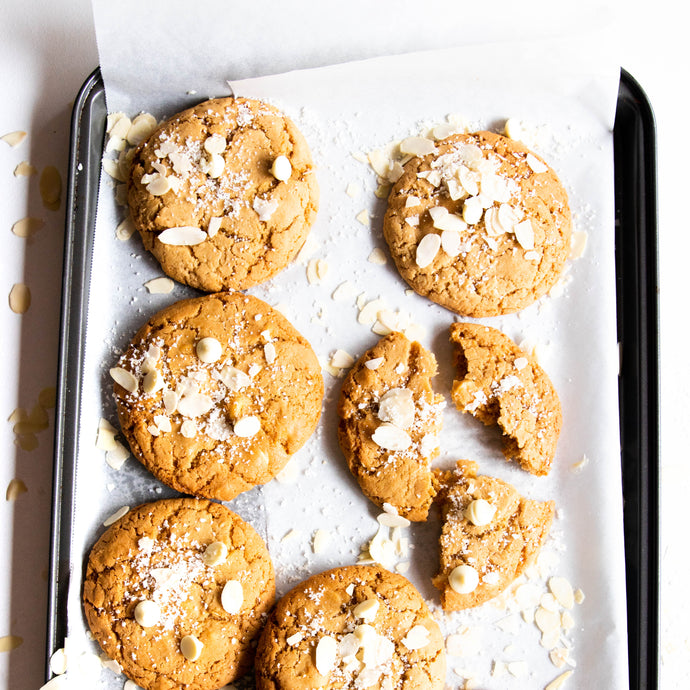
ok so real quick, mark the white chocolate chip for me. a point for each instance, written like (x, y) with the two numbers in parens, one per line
(391, 437)
(191, 647)
(209, 350)
(215, 144)
(215, 166)
(281, 168)
(147, 613)
(326, 652)
(246, 427)
(427, 249)
(416, 638)
(182, 236)
(20, 298)
(463, 579)
(397, 407)
(215, 553)
(480, 512)
(125, 379)
(232, 596)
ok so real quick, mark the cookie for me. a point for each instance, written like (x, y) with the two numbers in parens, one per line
(351, 627)
(500, 384)
(224, 194)
(175, 592)
(490, 535)
(481, 225)
(389, 420)
(215, 393)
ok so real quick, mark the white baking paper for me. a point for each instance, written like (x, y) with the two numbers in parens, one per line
(564, 90)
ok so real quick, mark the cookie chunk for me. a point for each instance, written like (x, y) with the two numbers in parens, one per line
(351, 627)
(480, 226)
(490, 535)
(389, 420)
(224, 193)
(175, 592)
(215, 393)
(500, 384)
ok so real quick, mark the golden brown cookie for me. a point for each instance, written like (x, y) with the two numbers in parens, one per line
(215, 394)
(351, 627)
(480, 226)
(175, 592)
(224, 193)
(500, 384)
(389, 420)
(490, 535)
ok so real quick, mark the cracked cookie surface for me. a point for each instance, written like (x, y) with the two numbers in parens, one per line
(219, 391)
(351, 627)
(389, 421)
(500, 384)
(158, 553)
(209, 168)
(497, 540)
(481, 226)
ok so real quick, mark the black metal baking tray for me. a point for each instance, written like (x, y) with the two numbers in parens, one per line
(636, 275)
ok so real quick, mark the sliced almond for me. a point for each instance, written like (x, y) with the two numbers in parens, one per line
(215, 144)
(417, 146)
(563, 591)
(27, 227)
(125, 229)
(325, 655)
(185, 236)
(116, 456)
(116, 516)
(15, 488)
(320, 540)
(13, 138)
(342, 359)
(390, 437)
(558, 683)
(214, 226)
(427, 249)
(20, 298)
(125, 378)
(160, 286)
(366, 610)
(142, 126)
(524, 233)
(535, 164)
(377, 257)
(397, 407)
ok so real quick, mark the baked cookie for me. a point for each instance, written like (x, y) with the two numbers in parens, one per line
(389, 420)
(500, 384)
(224, 193)
(490, 535)
(215, 393)
(480, 226)
(175, 592)
(351, 627)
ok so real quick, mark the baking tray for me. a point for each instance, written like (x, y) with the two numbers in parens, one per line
(636, 267)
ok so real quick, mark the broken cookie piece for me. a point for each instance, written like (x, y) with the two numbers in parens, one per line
(500, 384)
(389, 420)
(490, 535)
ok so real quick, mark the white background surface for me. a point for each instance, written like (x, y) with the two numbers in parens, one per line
(46, 52)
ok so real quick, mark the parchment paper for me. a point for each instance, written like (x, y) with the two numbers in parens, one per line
(564, 89)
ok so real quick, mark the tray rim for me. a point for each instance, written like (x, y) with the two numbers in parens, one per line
(642, 602)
